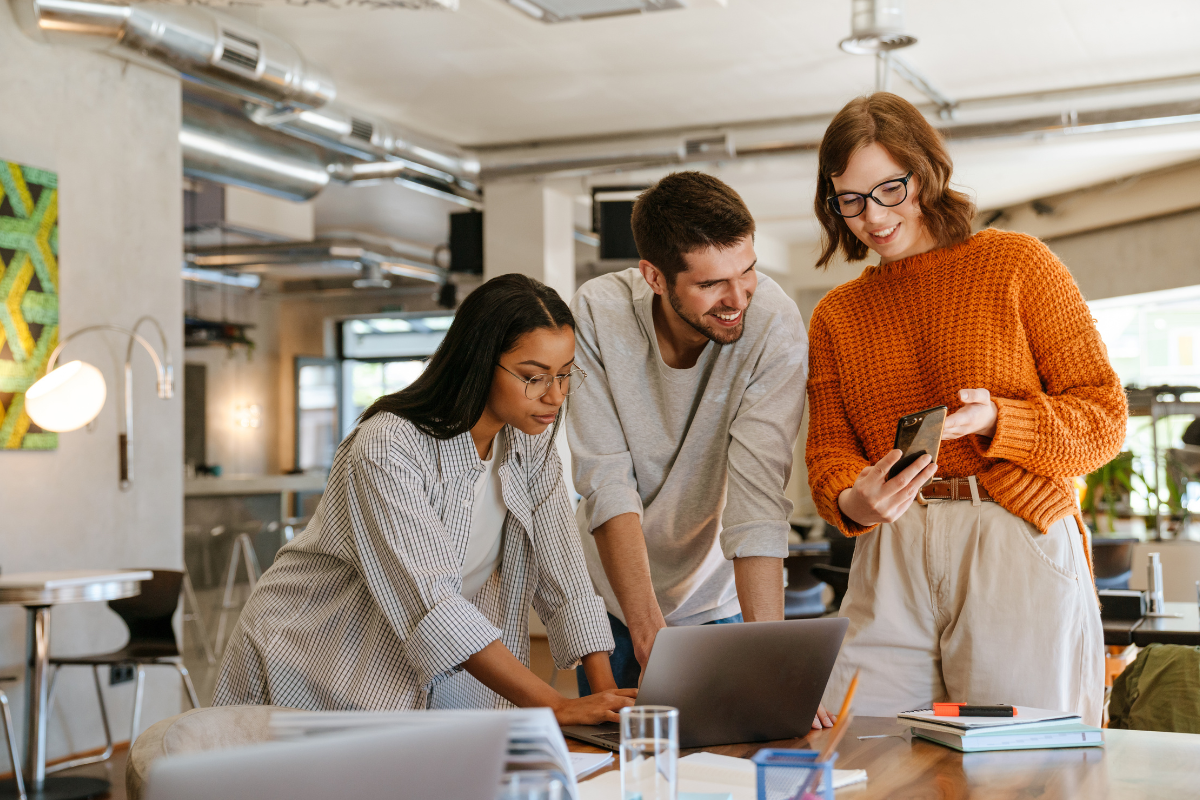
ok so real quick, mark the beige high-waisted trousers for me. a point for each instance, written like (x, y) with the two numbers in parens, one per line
(970, 603)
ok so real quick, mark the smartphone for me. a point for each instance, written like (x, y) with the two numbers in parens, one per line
(916, 435)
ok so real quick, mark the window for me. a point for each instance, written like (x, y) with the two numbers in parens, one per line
(1153, 339)
(378, 355)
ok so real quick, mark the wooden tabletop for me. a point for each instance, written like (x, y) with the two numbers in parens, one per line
(1133, 765)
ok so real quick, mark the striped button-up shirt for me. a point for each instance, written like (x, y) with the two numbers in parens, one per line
(364, 609)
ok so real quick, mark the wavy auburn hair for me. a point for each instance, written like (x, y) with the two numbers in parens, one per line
(903, 131)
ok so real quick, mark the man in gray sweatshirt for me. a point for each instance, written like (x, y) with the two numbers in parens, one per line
(682, 434)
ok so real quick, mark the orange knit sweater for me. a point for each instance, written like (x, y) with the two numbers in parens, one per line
(998, 312)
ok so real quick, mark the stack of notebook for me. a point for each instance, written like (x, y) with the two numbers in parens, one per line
(1030, 729)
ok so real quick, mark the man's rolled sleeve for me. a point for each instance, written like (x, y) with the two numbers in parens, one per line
(452, 631)
(767, 537)
(611, 501)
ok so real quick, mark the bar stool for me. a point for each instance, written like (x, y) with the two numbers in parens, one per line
(151, 643)
(10, 737)
(243, 546)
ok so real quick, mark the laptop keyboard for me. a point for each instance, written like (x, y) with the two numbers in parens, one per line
(614, 737)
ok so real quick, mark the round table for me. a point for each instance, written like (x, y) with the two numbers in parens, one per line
(38, 591)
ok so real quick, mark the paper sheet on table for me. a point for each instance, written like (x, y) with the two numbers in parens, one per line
(585, 764)
(707, 772)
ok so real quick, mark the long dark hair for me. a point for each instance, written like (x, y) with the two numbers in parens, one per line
(450, 395)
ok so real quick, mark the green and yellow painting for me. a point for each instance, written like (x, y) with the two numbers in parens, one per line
(28, 296)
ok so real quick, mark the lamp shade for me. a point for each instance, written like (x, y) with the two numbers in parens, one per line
(66, 399)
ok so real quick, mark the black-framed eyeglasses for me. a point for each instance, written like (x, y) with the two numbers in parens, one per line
(851, 204)
(537, 386)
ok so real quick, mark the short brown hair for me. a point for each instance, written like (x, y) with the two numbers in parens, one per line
(903, 131)
(685, 212)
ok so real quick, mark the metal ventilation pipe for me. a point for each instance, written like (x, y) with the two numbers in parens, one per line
(205, 45)
(347, 131)
(290, 100)
(231, 149)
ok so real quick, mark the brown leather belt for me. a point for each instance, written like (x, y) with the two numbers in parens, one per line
(954, 489)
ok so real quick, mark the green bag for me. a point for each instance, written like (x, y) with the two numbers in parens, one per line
(1159, 691)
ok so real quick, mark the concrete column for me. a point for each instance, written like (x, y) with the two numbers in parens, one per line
(529, 227)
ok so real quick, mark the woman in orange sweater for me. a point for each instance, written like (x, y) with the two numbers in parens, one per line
(981, 590)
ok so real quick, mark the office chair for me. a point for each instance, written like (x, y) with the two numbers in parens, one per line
(837, 572)
(11, 738)
(151, 643)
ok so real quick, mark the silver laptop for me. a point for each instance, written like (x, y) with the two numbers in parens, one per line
(743, 682)
(460, 760)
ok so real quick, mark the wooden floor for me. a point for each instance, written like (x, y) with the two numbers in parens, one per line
(112, 771)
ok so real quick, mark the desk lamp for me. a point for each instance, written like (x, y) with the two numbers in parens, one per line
(71, 396)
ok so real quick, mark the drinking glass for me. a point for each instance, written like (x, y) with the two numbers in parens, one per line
(531, 785)
(649, 752)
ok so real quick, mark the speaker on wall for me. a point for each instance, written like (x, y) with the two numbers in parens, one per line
(466, 242)
(612, 209)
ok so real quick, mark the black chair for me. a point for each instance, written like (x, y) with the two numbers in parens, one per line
(837, 572)
(151, 643)
(802, 597)
(11, 738)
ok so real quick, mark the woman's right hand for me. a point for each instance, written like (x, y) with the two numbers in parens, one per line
(874, 499)
(595, 708)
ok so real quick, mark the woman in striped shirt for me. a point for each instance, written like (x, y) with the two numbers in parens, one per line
(445, 518)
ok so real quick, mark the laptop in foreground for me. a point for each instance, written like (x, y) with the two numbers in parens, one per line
(746, 682)
(419, 761)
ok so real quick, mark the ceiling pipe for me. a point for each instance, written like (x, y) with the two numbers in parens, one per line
(201, 43)
(592, 155)
(280, 92)
(229, 149)
(373, 256)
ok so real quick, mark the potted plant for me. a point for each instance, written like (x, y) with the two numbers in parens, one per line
(1108, 490)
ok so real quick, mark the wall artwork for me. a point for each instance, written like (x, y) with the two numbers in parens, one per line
(28, 296)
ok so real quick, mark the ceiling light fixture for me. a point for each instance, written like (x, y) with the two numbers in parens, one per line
(876, 26)
(877, 29)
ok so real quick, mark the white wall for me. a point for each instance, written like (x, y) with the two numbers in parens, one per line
(240, 376)
(110, 130)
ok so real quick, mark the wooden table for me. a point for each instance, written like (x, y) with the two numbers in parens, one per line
(1131, 766)
(1184, 629)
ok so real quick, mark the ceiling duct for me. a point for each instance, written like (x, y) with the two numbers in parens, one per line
(204, 45)
(230, 149)
(287, 99)
(370, 259)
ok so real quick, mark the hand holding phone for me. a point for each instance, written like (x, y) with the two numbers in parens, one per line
(977, 415)
(917, 435)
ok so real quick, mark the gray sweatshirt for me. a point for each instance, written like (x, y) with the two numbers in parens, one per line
(701, 454)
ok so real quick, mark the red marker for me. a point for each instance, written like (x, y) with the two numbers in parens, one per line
(964, 710)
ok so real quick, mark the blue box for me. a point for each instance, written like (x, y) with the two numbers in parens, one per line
(782, 774)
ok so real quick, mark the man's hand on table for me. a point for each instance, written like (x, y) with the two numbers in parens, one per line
(823, 719)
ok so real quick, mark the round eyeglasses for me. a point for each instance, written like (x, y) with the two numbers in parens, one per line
(851, 204)
(537, 386)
